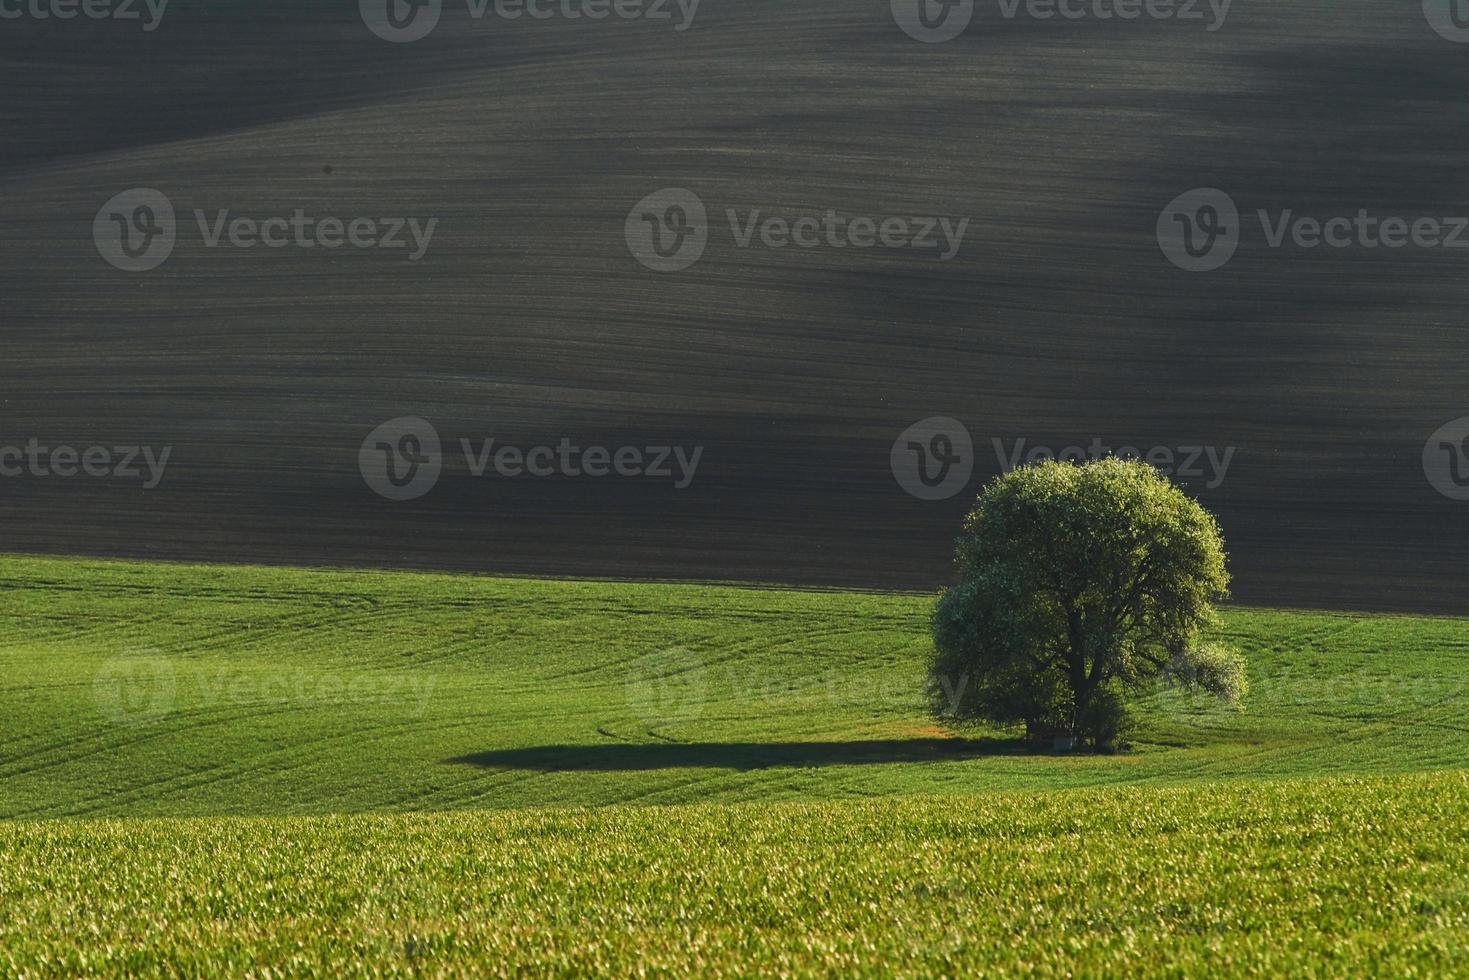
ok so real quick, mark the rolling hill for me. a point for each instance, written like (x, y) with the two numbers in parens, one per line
(264, 770)
(529, 320)
(175, 690)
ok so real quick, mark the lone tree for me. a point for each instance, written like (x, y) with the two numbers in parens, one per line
(1079, 585)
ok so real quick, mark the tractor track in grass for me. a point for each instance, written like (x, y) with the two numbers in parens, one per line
(793, 693)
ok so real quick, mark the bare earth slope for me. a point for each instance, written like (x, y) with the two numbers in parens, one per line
(528, 320)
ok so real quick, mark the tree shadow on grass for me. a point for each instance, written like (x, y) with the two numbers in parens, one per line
(637, 756)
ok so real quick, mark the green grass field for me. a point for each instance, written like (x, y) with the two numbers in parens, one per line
(319, 727)
(1296, 878)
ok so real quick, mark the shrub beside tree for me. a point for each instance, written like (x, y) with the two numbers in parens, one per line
(1080, 587)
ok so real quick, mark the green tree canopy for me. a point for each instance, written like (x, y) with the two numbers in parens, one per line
(1080, 585)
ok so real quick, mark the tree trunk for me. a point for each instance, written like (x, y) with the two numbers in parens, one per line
(1082, 684)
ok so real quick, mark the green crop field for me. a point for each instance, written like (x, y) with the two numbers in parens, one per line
(317, 729)
(1325, 877)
